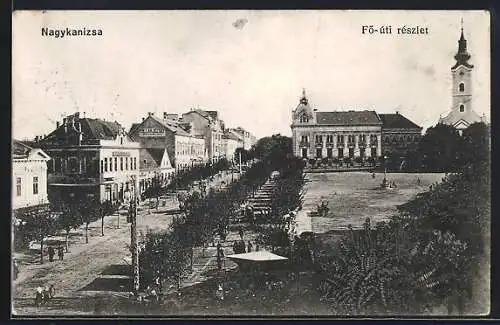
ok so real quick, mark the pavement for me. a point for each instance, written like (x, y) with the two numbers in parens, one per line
(85, 270)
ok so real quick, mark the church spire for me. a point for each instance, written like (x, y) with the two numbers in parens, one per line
(303, 99)
(462, 57)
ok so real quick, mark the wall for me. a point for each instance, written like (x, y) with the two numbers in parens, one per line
(26, 170)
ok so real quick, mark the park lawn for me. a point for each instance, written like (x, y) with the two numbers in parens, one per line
(354, 196)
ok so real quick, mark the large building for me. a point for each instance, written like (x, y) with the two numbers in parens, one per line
(461, 114)
(29, 177)
(91, 158)
(399, 134)
(184, 147)
(341, 134)
(208, 125)
(335, 134)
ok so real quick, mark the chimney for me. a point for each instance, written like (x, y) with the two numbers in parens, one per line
(36, 138)
(77, 115)
(397, 112)
(143, 119)
(165, 115)
(58, 124)
(65, 123)
(83, 114)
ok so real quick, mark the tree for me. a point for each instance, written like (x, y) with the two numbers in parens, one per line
(274, 148)
(440, 148)
(40, 222)
(67, 219)
(89, 211)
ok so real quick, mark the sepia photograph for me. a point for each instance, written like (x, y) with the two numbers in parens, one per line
(220, 163)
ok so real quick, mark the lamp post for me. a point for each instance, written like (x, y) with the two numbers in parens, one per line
(133, 234)
(384, 182)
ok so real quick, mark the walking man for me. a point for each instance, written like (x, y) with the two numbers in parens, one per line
(51, 253)
(220, 256)
(60, 253)
(249, 247)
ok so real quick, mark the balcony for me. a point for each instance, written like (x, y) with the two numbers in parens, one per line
(329, 145)
(318, 144)
(304, 144)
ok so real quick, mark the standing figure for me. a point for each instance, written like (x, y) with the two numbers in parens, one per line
(418, 180)
(249, 247)
(60, 253)
(220, 256)
(39, 296)
(51, 253)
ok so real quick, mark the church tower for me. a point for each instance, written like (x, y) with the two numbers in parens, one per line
(461, 115)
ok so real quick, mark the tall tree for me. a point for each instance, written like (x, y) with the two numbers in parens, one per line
(440, 148)
(68, 218)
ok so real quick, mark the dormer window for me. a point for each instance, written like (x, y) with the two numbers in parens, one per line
(462, 108)
(461, 87)
(304, 118)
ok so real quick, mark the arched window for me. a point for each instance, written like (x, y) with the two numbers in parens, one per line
(461, 87)
(462, 108)
(304, 118)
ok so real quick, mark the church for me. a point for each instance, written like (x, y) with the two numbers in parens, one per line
(461, 115)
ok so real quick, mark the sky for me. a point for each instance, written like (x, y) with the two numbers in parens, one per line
(251, 66)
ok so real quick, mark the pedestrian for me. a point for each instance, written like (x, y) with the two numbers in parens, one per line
(240, 232)
(16, 269)
(418, 180)
(220, 256)
(51, 253)
(39, 296)
(60, 253)
(257, 247)
(249, 247)
(373, 175)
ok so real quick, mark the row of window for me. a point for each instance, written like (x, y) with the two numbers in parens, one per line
(400, 138)
(19, 186)
(107, 164)
(340, 152)
(340, 138)
(193, 149)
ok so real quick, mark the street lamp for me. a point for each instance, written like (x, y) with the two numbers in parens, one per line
(384, 182)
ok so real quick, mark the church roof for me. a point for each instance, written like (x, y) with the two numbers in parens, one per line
(454, 117)
(397, 121)
(462, 55)
(348, 118)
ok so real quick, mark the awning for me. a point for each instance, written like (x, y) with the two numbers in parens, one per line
(259, 256)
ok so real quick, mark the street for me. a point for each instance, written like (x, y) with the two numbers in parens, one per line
(85, 263)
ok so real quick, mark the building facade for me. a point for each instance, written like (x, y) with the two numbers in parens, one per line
(337, 134)
(29, 176)
(461, 114)
(209, 126)
(248, 138)
(154, 165)
(91, 158)
(184, 148)
(399, 134)
(231, 143)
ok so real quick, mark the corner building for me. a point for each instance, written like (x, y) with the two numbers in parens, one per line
(337, 134)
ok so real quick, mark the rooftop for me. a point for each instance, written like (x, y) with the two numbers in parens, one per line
(397, 121)
(348, 118)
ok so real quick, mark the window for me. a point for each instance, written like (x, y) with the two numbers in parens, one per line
(35, 185)
(304, 118)
(351, 152)
(319, 153)
(121, 163)
(340, 139)
(319, 139)
(126, 163)
(116, 164)
(72, 164)
(329, 152)
(329, 138)
(462, 108)
(105, 164)
(461, 87)
(341, 152)
(58, 165)
(18, 186)
(362, 139)
(102, 166)
(135, 163)
(110, 164)
(304, 139)
(304, 152)
(374, 152)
